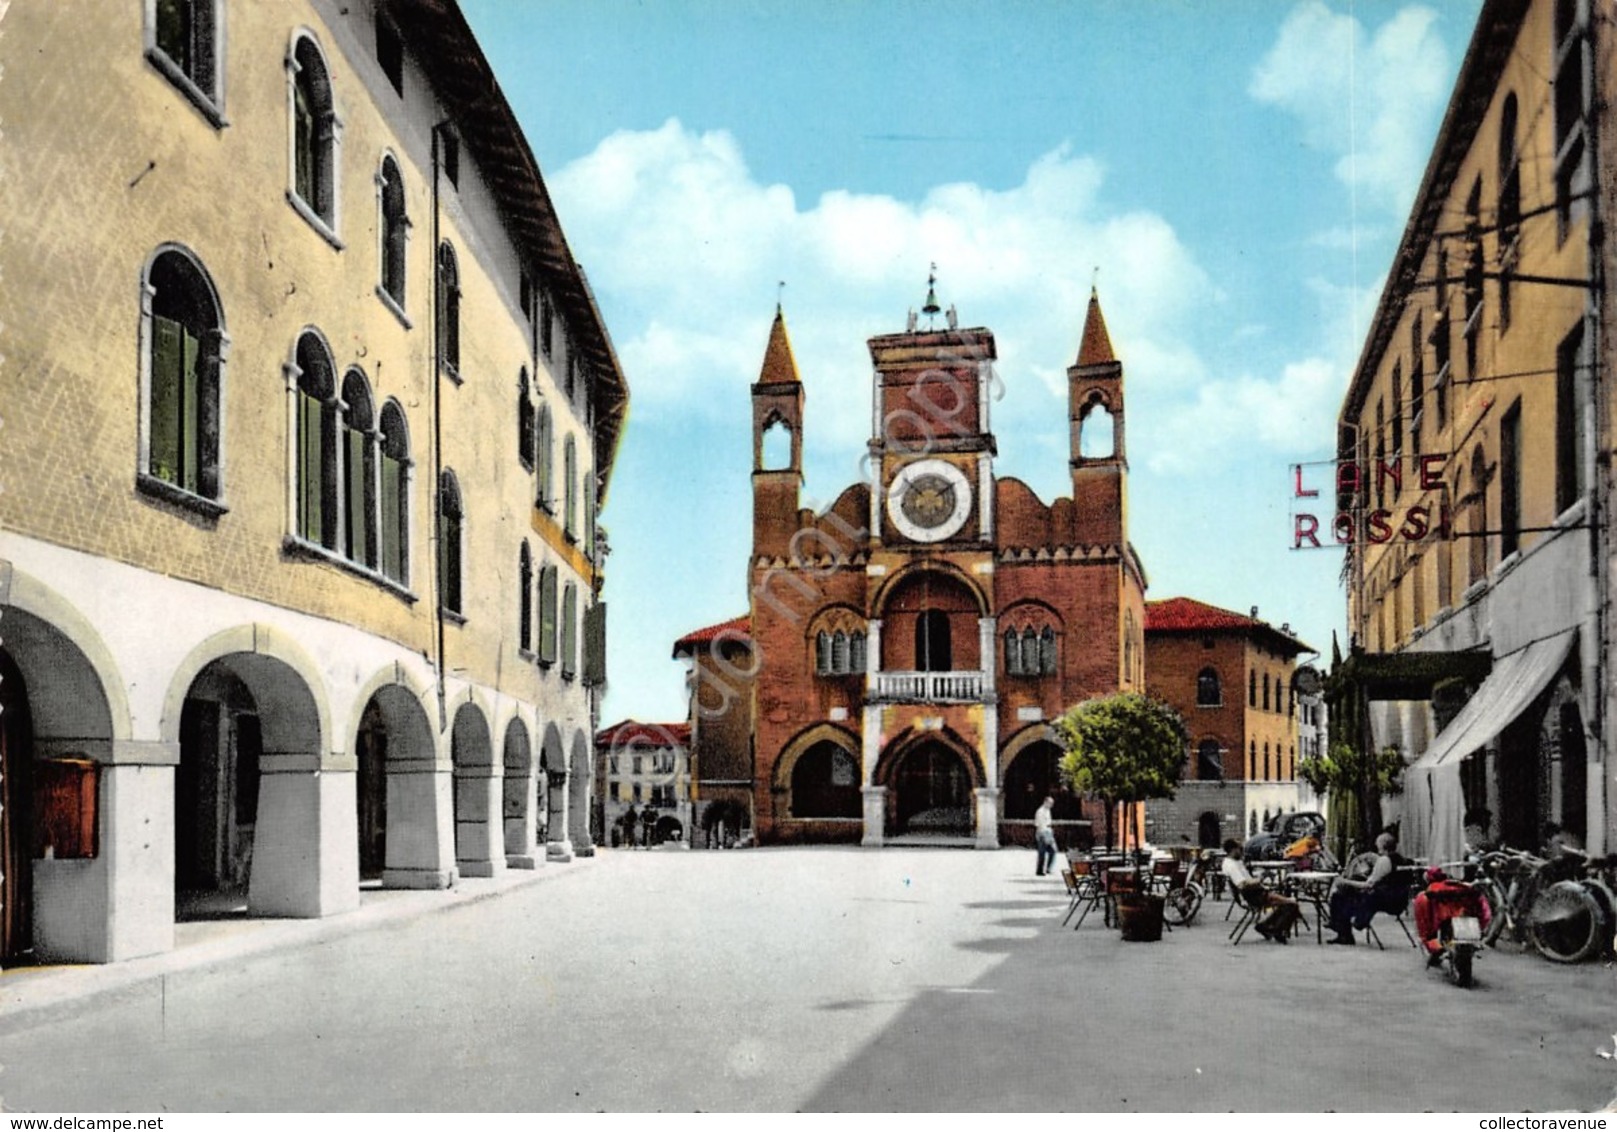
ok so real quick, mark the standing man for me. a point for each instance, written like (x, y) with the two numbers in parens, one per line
(631, 825)
(1044, 836)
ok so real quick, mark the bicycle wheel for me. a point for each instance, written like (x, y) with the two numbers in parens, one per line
(1496, 898)
(1182, 904)
(1564, 923)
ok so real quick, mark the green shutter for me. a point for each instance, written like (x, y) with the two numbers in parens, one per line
(595, 644)
(190, 446)
(547, 615)
(358, 550)
(392, 518)
(569, 631)
(168, 359)
(311, 445)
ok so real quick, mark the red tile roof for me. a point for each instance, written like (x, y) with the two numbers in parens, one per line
(735, 629)
(1187, 615)
(631, 732)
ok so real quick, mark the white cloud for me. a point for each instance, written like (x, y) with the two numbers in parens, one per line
(1369, 98)
(1290, 415)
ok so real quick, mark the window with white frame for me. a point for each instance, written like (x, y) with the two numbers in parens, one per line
(394, 490)
(316, 400)
(451, 519)
(183, 376)
(448, 310)
(184, 40)
(394, 229)
(359, 485)
(315, 135)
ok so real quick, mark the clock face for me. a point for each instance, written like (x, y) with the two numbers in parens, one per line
(929, 500)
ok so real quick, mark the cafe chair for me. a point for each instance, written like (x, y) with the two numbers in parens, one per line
(1086, 890)
(1249, 914)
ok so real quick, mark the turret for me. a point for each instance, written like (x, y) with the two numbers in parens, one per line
(777, 444)
(1099, 457)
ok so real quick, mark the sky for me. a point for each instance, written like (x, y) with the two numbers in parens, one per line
(1231, 175)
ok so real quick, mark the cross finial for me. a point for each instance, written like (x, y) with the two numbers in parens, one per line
(780, 290)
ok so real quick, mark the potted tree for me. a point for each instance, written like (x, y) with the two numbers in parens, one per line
(1124, 748)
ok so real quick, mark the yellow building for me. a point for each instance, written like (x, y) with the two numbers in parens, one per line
(1468, 485)
(307, 414)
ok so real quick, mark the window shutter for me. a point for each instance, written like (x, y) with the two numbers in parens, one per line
(569, 631)
(168, 352)
(595, 645)
(392, 518)
(1047, 651)
(190, 448)
(311, 444)
(547, 615)
(358, 550)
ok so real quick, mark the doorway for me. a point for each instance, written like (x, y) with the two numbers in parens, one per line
(933, 792)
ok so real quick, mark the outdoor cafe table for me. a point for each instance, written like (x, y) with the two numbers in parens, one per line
(1313, 888)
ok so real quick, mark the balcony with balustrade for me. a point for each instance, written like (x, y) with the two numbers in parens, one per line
(928, 687)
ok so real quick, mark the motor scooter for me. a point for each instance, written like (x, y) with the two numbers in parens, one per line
(1450, 916)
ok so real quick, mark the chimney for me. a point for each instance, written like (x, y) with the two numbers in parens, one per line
(1254, 613)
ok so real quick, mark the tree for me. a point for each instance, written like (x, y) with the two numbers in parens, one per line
(1125, 747)
(1355, 781)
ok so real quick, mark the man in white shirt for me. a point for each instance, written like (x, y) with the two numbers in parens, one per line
(1044, 836)
(1279, 912)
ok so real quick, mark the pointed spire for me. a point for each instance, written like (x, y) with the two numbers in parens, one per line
(1096, 347)
(779, 364)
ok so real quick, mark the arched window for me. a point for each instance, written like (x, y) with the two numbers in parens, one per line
(1510, 178)
(822, 653)
(1013, 653)
(448, 310)
(1252, 688)
(451, 516)
(314, 135)
(932, 644)
(776, 446)
(1478, 558)
(548, 616)
(394, 230)
(1097, 437)
(359, 470)
(825, 783)
(570, 486)
(184, 364)
(839, 652)
(1209, 761)
(1030, 651)
(1252, 761)
(1208, 692)
(1047, 651)
(569, 631)
(1265, 691)
(856, 653)
(317, 443)
(395, 490)
(525, 598)
(544, 461)
(525, 421)
(1266, 775)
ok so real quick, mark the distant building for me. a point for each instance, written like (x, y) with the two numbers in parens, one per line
(308, 414)
(720, 686)
(1232, 678)
(644, 766)
(1478, 420)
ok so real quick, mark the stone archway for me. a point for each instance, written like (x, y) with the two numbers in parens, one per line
(403, 796)
(553, 767)
(578, 796)
(521, 796)
(246, 796)
(477, 796)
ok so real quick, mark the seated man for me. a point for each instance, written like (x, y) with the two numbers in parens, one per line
(1354, 902)
(1279, 912)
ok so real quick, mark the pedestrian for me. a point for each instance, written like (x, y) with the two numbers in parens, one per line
(630, 821)
(1044, 836)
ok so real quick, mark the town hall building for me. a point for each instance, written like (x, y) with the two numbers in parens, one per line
(910, 644)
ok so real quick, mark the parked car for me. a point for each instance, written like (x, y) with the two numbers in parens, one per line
(1281, 831)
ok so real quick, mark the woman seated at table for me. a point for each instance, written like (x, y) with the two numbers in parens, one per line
(1277, 913)
(1354, 902)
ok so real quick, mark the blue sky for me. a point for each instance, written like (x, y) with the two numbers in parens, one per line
(1238, 171)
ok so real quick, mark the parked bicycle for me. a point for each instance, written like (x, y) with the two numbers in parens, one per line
(1563, 908)
(1184, 899)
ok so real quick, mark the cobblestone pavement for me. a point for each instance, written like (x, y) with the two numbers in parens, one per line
(787, 979)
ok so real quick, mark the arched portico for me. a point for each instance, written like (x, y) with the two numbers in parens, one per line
(260, 810)
(553, 765)
(931, 778)
(578, 796)
(520, 796)
(477, 794)
(404, 832)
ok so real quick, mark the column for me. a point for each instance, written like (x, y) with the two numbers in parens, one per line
(521, 801)
(875, 816)
(420, 824)
(305, 837)
(557, 845)
(987, 629)
(872, 656)
(479, 834)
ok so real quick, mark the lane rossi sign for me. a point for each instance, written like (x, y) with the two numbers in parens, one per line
(1360, 491)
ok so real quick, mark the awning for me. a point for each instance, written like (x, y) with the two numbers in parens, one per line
(1515, 682)
(1435, 802)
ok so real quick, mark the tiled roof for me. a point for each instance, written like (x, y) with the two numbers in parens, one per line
(631, 732)
(736, 629)
(1187, 615)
